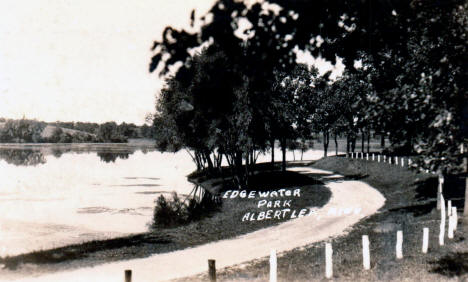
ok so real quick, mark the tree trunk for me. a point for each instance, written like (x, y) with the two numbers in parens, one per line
(283, 149)
(247, 165)
(368, 141)
(207, 157)
(465, 211)
(347, 144)
(362, 140)
(353, 144)
(199, 161)
(336, 145)
(382, 141)
(272, 144)
(326, 139)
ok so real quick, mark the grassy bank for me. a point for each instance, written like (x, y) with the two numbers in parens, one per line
(410, 206)
(224, 224)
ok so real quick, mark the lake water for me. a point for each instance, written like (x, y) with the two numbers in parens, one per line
(54, 195)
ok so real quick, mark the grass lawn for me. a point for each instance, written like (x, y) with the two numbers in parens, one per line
(410, 206)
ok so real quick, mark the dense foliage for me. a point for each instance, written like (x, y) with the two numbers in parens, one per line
(175, 212)
(405, 79)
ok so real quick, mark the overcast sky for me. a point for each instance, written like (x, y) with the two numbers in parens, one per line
(83, 60)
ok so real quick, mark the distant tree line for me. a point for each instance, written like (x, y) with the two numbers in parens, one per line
(21, 131)
(404, 79)
(33, 131)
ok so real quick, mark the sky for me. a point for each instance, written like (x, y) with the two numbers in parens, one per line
(85, 60)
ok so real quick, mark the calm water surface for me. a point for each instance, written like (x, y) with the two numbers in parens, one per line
(55, 195)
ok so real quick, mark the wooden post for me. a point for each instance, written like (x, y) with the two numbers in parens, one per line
(128, 275)
(365, 252)
(425, 240)
(442, 221)
(455, 218)
(399, 245)
(212, 270)
(273, 266)
(328, 261)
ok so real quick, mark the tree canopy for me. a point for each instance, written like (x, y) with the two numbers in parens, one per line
(405, 78)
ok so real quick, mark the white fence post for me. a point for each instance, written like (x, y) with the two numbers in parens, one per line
(384, 158)
(402, 161)
(328, 261)
(273, 266)
(367, 156)
(365, 252)
(409, 162)
(378, 158)
(396, 161)
(425, 240)
(373, 156)
(455, 218)
(439, 191)
(450, 227)
(399, 245)
(442, 221)
(449, 208)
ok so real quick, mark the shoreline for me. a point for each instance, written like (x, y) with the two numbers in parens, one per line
(292, 230)
(221, 225)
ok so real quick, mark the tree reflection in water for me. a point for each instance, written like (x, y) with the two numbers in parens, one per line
(112, 156)
(22, 157)
(35, 156)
